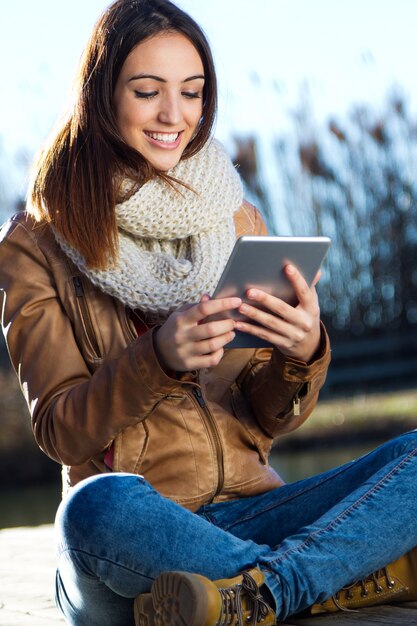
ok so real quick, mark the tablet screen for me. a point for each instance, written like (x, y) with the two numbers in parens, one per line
(259, 261)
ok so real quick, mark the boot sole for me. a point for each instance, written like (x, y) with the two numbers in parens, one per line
(180, 599)
(144, 611)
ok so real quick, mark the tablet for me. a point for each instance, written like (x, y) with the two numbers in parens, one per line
(258, 261)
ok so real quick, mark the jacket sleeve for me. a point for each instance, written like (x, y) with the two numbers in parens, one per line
(282, 391)
(75, 413)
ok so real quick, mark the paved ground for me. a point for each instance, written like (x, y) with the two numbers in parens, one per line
(27, 564)
(27, 571)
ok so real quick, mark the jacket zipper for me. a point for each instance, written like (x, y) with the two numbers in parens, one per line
(296, 401)
(215, 437)
(85, 315)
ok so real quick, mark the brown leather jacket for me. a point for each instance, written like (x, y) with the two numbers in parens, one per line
(90, 381)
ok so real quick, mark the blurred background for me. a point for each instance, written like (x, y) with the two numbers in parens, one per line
(318, 109)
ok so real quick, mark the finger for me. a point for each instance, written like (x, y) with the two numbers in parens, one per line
(204, 298)
(213, 344)
(279, 316)
(282, 317)
(205, 330)
(208, 347)
(276, 338)
(276, 320)
(268, 303)
(316, 278)
(301, 288)
(206, 360)
(291, 342)
(212, 307)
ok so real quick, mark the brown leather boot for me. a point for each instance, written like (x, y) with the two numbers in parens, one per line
(397, 582)
(179, 598)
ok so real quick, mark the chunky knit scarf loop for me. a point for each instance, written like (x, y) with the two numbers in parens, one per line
(173, 243)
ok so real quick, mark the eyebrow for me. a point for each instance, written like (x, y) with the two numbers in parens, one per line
(162, 80)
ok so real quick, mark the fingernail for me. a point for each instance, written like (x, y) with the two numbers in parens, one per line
(252, 293)
(290, 269)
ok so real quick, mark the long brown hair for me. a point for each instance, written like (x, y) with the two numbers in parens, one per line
(73, 184)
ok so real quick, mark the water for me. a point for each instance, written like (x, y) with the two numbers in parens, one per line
(294, 466)
(29, 506)
(32, 506)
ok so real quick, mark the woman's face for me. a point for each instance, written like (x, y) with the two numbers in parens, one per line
(158, 98)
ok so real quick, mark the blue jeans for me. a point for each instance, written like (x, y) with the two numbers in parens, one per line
(115, 534)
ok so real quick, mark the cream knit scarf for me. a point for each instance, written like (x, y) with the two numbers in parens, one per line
(173, 245)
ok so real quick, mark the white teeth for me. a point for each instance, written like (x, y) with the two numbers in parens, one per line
(166, 138)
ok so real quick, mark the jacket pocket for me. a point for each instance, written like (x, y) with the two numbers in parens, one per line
(246, 418)
(130, 447)
(85, 318)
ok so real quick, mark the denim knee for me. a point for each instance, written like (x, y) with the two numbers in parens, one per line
(402, 444)
(91, 506)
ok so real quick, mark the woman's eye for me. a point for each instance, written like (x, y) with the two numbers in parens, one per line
(191, 94)
(146, 95)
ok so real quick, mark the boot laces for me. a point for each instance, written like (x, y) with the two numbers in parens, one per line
(375, 577)
(232, 598)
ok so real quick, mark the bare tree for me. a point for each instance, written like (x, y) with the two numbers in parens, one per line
(354, 180)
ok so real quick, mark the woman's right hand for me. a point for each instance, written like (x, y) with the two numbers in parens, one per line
(186, 342)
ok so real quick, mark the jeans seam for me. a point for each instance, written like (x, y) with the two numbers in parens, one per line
(384, 480)
(104, 560)
(293, 496)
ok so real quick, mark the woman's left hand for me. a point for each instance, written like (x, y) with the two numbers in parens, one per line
(295, 331)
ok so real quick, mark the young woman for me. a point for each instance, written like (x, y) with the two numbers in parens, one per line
(163, 432)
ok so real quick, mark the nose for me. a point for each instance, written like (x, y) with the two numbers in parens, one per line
(170, 111)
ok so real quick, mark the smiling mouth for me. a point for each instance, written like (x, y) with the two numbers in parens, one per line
(166, 138)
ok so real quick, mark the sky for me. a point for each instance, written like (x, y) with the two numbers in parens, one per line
(267, 53)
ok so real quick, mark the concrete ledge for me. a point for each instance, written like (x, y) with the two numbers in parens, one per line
(27, 577)
(27, 582)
